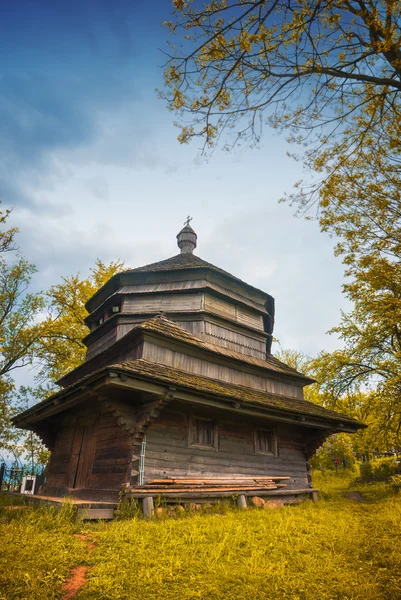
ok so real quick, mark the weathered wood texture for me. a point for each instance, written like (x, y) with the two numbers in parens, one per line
(101, 344)
(234, 307)
(193, 285)
(89, 454)
(148, 304)
(233, 312)
(224, 337)
(220, 372)
(168, 454)
(251, 344)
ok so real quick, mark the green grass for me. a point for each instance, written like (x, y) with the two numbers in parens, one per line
(336, 549)
(37, 549)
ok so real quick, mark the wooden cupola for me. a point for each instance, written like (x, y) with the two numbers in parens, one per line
(205, 300)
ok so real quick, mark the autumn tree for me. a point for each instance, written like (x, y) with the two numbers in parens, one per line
(8, 434)
(20, 310)
(300, 64)
(371, 353)
(61, 348)
(366, 405)
(20, 327)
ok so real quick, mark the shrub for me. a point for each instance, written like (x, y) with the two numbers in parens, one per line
(380, 469)
(396, 480)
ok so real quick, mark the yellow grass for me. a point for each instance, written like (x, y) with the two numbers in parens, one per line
(337, 549)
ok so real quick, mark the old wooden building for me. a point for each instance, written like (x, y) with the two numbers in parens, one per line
(180, 391)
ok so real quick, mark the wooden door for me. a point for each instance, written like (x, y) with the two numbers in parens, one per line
(83, 452)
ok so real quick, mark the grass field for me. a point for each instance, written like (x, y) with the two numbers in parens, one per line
(336, 549)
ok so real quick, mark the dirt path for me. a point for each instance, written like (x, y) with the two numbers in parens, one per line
(77, 578)
(357, 496)
(76, 581)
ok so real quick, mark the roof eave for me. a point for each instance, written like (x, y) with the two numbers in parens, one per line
(111, 375)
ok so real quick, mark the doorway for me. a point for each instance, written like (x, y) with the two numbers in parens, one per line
(83, 452)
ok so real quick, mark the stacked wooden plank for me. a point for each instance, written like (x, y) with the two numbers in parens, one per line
(209, 485)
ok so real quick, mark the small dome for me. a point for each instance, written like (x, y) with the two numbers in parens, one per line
(186, 240)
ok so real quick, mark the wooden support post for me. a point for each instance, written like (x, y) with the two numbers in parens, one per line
(148, 507)
(314, 496)
(241, 501)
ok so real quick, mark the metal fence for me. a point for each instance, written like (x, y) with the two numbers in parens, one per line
(11, 477)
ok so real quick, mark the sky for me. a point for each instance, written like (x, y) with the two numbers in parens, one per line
(91, 165)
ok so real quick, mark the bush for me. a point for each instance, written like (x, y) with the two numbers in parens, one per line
(366, 471)
(380, 469)
(396, 480)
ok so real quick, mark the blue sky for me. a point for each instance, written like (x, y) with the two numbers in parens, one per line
(90, 163)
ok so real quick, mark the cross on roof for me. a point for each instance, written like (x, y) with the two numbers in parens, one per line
(187, 222)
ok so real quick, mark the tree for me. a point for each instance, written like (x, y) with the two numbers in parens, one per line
(371, 356)
(338, 446)
(8, 434)
(20, 311)
(310, 66)
(26, 446)
(20, 328)
(367, 406)
(61, 348)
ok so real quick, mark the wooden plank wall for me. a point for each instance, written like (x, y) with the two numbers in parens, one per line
(168, 454)
(225, 337)
(112, 455)
(149, 304)
(233, 312)
(197, 366)
(113, 449)
(102, 343)
(57, 470)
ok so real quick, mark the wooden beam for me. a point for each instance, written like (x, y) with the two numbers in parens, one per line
(241, 501)
(148, 507)
(221, 494)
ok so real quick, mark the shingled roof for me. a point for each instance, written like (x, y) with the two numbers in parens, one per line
(187, 261)
(156, 373)
(204, 385)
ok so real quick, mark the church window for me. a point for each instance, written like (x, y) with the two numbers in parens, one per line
(265, 441)
(202, 433)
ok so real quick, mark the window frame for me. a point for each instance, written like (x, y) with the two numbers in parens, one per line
(270, 430)
(215, 433)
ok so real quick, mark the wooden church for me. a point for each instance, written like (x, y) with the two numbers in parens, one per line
(180, 395)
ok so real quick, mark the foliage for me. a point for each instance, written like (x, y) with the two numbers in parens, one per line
(396, 480)
(8, 434)
(371, 355)
(366, 406)
(336, 548)
(61, 347)
(331, 72)
(298, 64)
(337, 446)
(380, 469)
(19, 310)
(38, 329)
(20, 327)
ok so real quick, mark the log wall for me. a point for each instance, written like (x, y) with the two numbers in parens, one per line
(106, 447)
(168, 454)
